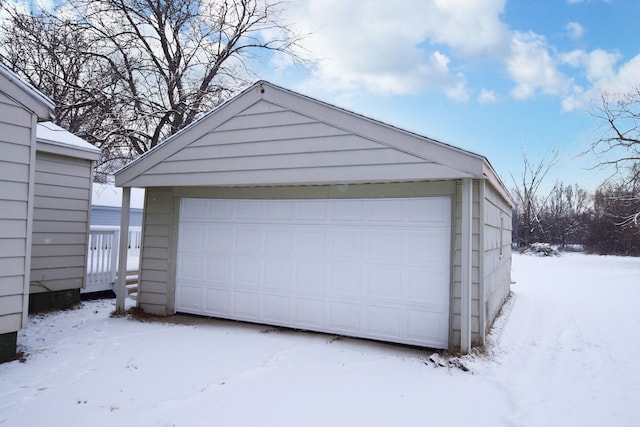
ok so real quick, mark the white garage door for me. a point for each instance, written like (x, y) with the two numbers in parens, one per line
(371, 268)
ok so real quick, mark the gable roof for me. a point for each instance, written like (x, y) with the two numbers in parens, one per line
(268, 135)
(54, 139)
(26, 95)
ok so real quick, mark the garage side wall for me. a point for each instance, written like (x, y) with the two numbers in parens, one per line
(497, 252)
(61, 221)
(17, 142)
(456, 311)
(157, 254)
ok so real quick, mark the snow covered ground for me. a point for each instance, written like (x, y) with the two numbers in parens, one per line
(564, 353)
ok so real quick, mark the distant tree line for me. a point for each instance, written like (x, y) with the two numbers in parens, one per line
(603, 222)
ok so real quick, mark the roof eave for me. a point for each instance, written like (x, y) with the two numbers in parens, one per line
(56, 147)
(31, 98)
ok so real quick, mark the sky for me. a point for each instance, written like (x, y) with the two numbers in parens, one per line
(504, 79)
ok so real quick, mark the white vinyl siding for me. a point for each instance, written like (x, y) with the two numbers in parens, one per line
(17, 145)
(266, 144)
(155, 257)
(475, 266)
(61, 221)
(497, 252)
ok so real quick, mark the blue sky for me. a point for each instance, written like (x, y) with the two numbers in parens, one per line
(496, 77)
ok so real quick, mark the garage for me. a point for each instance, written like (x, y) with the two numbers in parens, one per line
(372, 268)
(278, 209)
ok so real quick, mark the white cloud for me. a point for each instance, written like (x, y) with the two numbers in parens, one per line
(472, 28)
(415, 46)
(396, 50)
(603, 73)
(458, 90)
(487, 96)
(532, 67)
(575, 30)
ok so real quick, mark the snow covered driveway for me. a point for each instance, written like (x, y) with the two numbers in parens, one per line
(564, 353)
(568, 349)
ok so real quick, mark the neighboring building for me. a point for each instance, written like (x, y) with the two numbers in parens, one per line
(105, 205)
(63, 180)
(105, 229)
(21, 108)
(276, 208)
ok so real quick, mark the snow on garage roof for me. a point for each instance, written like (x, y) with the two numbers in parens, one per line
(52, 138)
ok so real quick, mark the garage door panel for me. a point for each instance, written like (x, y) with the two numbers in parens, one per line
(385, 211)
(279, 210)
(246, 271)
(311, 210)
(430, 210)
(346, 244)
(195, 209)
(245, 305)
(276, 308)
(418, 292)
(219, 239)
(344, 317)
(385, 246)
(220, 211)
(371, 268)
(197, 240)
(384, 282)
(345, 279)
(219, 269)
(424, 326)
(348, 210)
(217, 301)
(385, 322)
(310, 242)
(190, 296)
(278, 242)
(309, 277)
(191, 266)
(248, 209)
(247, 239)
(277, 274)
(309, 312)
(425, 248)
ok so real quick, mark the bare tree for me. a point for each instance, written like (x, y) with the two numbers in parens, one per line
(618, 149)
(530, 202)
(126, 74)
(613, 229)
(565, 214)
(619, 146)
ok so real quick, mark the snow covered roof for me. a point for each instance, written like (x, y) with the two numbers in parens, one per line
(110, 195)
(53, 138)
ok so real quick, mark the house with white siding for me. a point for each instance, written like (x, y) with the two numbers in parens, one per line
(105, 205)
(61, 217)
(279, 209)
(21, 108)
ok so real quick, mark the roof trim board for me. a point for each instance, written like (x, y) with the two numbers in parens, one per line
(26, 95)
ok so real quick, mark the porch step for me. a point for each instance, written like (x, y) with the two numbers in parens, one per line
(132, 281)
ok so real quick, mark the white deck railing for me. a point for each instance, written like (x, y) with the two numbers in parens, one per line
(102, 260)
